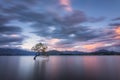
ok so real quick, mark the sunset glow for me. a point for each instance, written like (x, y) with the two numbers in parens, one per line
(66, 4)
(14, 35)
(63, 25)
(92, 47)
(117, 30)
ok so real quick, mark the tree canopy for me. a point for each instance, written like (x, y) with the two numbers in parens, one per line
(40, 47)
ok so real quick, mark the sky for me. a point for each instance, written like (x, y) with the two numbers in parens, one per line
(64, 25)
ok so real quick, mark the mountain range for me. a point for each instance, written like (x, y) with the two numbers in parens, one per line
(11, 51)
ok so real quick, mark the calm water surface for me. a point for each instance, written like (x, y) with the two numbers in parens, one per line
(60, 68)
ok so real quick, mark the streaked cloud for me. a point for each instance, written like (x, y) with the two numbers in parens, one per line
(66, 4)
(117, 30)
(116, 19)
(93, 47)
(62, 24)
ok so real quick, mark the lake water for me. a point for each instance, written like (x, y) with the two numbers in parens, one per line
(60, 68)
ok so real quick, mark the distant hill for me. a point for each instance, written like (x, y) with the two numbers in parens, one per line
(55, 52)
(105, 52)
(9, 51)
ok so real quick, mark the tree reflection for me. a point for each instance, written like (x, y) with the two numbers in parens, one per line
(40, 68)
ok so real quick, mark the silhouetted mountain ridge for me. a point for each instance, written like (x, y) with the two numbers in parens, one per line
(10, 51)
(105, 52)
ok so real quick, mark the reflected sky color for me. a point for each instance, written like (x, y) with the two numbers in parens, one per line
(60, 68)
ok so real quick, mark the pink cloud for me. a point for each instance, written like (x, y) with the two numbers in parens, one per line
(66, 4)
(92, 47)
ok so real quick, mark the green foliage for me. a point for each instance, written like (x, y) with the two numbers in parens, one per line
(40, 47)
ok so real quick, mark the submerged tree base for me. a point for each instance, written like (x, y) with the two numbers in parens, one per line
(41, 56)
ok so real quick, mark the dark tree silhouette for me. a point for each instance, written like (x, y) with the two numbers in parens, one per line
(39, 48)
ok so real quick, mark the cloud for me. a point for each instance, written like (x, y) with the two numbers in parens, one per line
(4, 29)
(67, 28)
(11, 40)
(114, 24)
(4, 19)
(117, 30)
(9, 35)
(93, 47)
(116, 19)
(15, 9)
(76, 17)
(66, 4)
(9, 30)
(93, 20)
(7, 39)
(111, 38)
(108, 38)
(63, 30)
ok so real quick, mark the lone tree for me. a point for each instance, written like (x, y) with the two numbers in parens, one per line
(39, 48)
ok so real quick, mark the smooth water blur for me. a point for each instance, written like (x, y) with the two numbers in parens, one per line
(60, 68)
